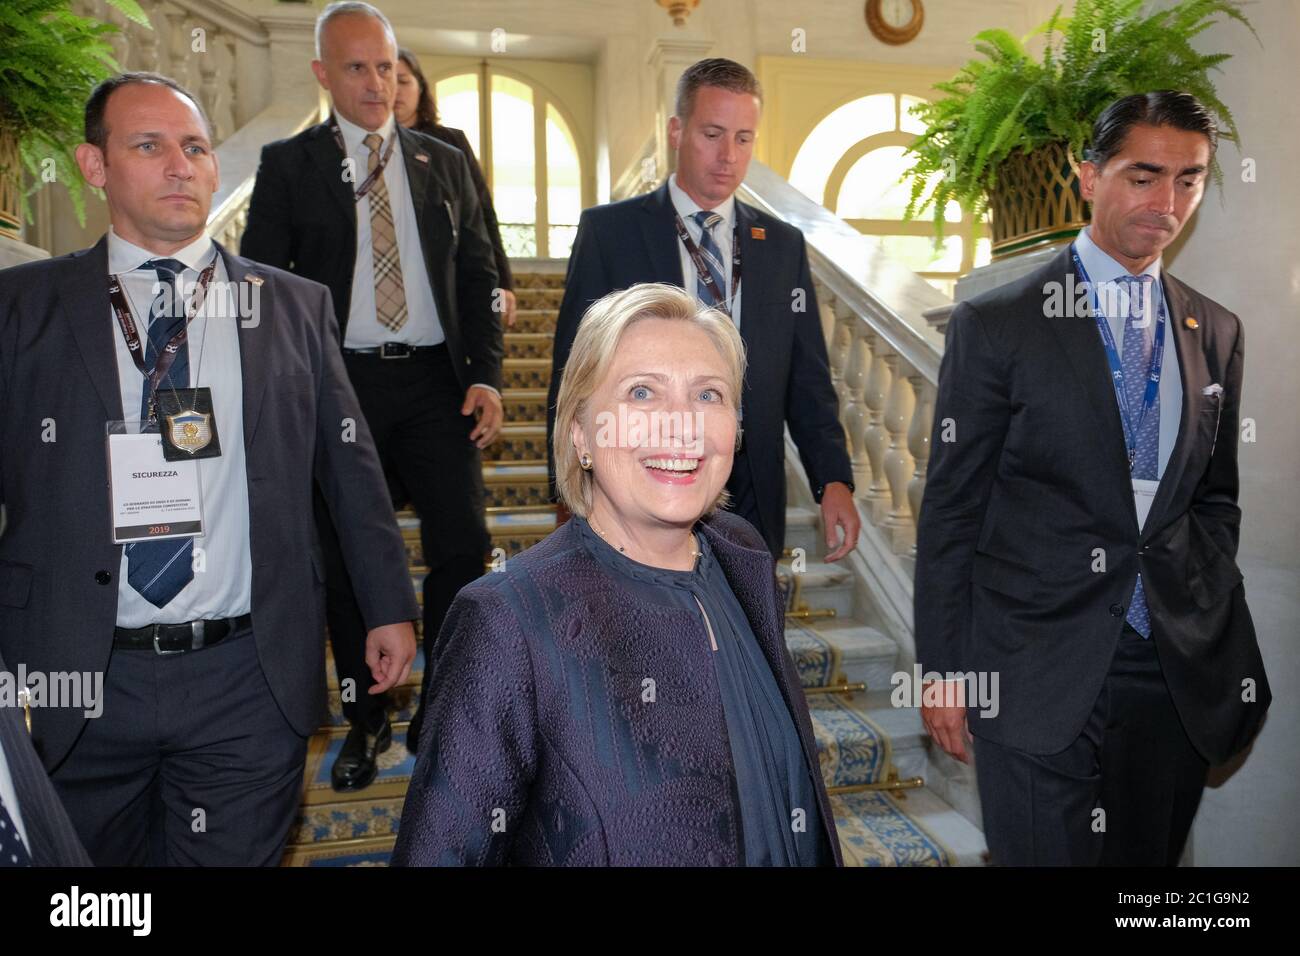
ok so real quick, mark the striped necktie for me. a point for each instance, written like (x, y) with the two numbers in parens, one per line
(712, 258)
(390, 292)
(1135, 359)
(159, 570)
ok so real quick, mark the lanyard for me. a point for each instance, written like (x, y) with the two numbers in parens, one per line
(1131, 427)
(163, 361)
(702, 270)
(375, 173)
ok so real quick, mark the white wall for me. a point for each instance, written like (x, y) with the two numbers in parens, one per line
(1242, 251)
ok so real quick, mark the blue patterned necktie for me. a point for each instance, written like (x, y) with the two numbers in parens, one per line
(712, 258)
(1136, 362)
(160, 569)
(12, 851)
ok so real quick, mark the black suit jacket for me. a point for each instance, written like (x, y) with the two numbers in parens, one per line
(58, 565)
(51, 838)
(788, 378)
(1033, 492)
(302, 217)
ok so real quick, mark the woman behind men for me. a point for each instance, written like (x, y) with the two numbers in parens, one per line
(415, 108)
(621, 693)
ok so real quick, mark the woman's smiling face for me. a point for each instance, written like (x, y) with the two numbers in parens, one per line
(661, 426)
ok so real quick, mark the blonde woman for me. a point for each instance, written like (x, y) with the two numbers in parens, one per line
(621, 693)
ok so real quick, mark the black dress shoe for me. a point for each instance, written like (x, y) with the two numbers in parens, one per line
(355, 767)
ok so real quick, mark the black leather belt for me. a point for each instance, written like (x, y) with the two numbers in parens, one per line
(396, 350)
(178, 638)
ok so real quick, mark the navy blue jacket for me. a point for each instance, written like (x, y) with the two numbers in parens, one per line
(539, 747)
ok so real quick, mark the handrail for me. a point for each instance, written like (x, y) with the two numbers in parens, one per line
(871, 283)
(292, 111)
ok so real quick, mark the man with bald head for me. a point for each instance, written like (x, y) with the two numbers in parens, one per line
(166, 407)
(390, 220)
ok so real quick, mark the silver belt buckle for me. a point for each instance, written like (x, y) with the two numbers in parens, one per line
(159, 650)
(398, 350)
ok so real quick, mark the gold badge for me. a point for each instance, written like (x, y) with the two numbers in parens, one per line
(1191, 323)
(190, 431)
(757, 232)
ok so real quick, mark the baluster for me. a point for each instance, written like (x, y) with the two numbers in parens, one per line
(233, 100)
(208, 91)
(146, 40)
(875, 439)
(858, 415)
(898, 463)
(918, 443)
(178, 46)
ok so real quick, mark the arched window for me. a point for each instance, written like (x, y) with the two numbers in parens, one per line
(529, 156)
(852, 162)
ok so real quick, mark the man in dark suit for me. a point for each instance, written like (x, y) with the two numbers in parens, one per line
(34, 827)
(209, 646)
(694, 233)
(1079, 527)
(408, 261)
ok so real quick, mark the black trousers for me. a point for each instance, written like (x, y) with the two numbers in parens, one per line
(412, 406)
(1124, 793)
(190, 763)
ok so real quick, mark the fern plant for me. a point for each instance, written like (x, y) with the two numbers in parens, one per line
(50, 60)
(1009, 101)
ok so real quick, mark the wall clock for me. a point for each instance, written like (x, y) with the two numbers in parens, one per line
(895, 21)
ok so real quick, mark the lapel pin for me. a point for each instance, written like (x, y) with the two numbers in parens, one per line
(1191, 323)
(757, 232)
(421, 157)
(256, 280)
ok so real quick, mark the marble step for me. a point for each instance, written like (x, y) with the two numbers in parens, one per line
(514, 484)
(538, 273)
(536, 320)
(843, 651)
(821, 586)
(524, 406)
(532, 299)
(520, 345)
(911, 828)
(526, 372)
(857, 744)
(518, 441)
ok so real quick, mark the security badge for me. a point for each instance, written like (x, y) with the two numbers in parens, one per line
(190, 429)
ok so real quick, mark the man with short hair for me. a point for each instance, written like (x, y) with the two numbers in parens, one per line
(390, 220)
(694, 233)
(1079, 526)
(157, 453)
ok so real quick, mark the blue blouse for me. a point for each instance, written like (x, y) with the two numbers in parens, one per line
(780, 821)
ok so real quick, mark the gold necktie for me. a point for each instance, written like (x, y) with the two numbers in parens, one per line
(390, 293)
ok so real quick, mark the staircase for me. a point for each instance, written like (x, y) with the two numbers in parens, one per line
(875, 758)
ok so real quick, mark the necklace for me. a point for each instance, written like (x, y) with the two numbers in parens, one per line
(695, 552)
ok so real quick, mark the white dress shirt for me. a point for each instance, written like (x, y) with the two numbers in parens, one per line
(9, 795)
(422, 326)
(224, 587)
(1104, 270)
(722, 234)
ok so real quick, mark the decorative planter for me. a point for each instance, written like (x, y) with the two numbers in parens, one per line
(1037, 201)
(11, 184)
